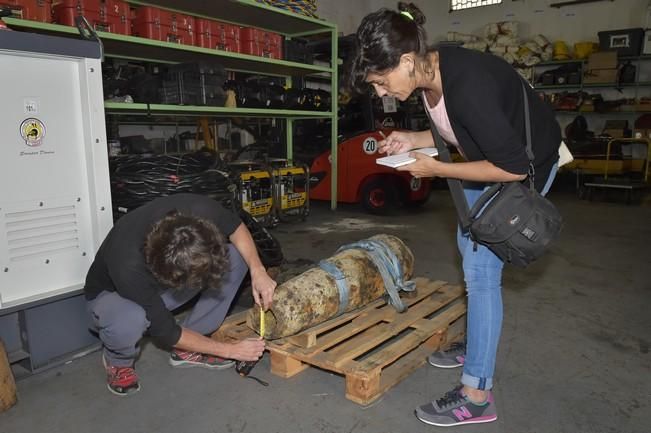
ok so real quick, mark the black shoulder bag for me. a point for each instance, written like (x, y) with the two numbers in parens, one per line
(513, 220)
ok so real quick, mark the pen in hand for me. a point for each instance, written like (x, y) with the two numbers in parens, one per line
(384, 138)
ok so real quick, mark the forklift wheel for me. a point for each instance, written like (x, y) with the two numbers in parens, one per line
(379, 196)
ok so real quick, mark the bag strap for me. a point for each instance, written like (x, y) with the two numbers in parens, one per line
(458, 197)
(456, 188)
(527, 129)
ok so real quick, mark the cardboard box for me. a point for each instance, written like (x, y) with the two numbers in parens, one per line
(601, 68)
(616, 128)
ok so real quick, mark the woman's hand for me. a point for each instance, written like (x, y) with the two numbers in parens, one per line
(397, 142)
(424, 166)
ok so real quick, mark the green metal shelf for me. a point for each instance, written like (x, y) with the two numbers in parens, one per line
(563, 62)
(193, 110)
(593, 85)
(133, 47)
(606, 113)
(247, 13)
(242, 12)
(123, 46)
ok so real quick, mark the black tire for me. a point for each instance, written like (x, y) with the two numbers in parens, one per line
(379, 196)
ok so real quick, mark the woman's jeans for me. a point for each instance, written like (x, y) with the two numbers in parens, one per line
(482, 272)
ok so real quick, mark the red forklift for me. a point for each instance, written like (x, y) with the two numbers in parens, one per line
(360, 179)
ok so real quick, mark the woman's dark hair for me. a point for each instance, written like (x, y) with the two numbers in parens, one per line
(186, 252)
(384, 36)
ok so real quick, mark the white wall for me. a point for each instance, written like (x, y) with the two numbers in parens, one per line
(570, 23)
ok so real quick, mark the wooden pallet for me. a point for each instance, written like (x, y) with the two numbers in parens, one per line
(374, 347)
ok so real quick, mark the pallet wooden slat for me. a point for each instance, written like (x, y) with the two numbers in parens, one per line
(364, 341)
(374, 347)
(392, 352)
(7, 382)
(363, 317)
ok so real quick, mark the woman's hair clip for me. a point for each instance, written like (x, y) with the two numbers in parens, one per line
(407, 14)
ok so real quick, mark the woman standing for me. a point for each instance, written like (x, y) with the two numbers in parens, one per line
(476, 103)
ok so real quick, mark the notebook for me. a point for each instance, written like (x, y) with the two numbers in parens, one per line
(404, 158)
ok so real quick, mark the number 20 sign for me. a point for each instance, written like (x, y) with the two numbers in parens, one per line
(369, 146)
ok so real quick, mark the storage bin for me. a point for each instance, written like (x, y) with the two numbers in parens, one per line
(33, 10)
(217, 35)
(646, 49)
(298, 50)
(261, 43)
(627, 42)
(104, 15)
(163, 25)
(194, 84)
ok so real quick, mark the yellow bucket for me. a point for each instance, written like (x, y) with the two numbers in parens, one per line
(561, 51)
(583, 49)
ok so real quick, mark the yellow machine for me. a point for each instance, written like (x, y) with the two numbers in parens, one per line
(291, 191)
(256, 190)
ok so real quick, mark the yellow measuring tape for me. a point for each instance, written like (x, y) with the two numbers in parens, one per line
(262, 322)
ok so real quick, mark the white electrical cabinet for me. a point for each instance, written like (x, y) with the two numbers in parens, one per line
(55, 200)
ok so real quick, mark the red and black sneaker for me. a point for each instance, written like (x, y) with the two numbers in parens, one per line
(181, 358)
(121, 381)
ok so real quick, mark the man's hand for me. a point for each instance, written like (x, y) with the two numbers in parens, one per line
(263, 287)
(261, 283)
(250, 349)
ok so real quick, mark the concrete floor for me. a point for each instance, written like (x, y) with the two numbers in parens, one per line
(574, 355)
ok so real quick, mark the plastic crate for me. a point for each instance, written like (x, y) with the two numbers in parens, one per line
(163, 25)
(217, 35)
(257, 42)
(194, 84)
(298, 50)
(627, 42)
(33, 10)
(112, 16)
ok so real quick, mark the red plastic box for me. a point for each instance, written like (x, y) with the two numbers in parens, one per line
(33, 10)
(164, 25)
(112, 16)
(217, 35)
(258, 42)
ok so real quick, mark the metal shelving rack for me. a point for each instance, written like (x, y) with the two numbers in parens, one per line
(581, 86)
(241, 12)
(639, 87)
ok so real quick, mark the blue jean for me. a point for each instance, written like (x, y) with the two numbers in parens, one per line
(482, 272)
(121, 322)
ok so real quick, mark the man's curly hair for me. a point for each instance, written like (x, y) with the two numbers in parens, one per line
(184, 251)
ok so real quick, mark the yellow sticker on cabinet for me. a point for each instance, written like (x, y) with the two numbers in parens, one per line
(33, 132)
